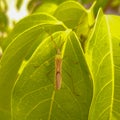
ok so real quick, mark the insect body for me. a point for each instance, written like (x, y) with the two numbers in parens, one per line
(58, 61)
(58, 70)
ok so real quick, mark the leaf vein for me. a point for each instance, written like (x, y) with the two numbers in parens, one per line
(41, 102)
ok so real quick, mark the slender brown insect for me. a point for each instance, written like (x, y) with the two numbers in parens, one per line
(58, 70)
(58, 64)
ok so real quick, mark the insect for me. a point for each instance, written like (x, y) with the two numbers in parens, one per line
(58, 61)
(58, 70)
(58, 65)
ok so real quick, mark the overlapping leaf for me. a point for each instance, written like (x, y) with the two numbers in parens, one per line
(34, 95)
(23, 37)
(71, 14)
(29, 22)
(99, 54)
(76, 17)
(114, 22)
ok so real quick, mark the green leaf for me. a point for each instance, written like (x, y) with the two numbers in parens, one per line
(47, 7)
(114, 22)
(76, 17)
(23, 38)
(86, 24)
(99, 55)
(35, 95)
(27, 23)
(71, 13)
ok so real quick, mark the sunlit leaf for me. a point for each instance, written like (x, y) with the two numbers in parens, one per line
(23, 38)
(114, 22)
(35, 95)
(28, 23)
(40, 5)
(99, 55)
(70, 13)
(47, 7)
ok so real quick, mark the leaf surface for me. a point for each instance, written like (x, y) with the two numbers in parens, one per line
(35, 95)
(101, 56)
(28, 23)
(114, 22)
(70, 13)
(23, 37)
